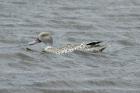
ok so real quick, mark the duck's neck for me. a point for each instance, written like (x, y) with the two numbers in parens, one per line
(48, 47)
(49, 43)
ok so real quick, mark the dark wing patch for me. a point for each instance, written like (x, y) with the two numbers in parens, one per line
(94, 43)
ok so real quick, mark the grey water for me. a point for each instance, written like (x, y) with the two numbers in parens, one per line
(116, 70)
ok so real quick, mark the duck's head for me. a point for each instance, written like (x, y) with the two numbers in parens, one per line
(44, 37)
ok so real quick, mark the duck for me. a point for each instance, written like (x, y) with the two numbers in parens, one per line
(47, 39)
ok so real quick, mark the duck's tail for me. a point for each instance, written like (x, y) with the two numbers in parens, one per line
(101, 49)
(96, 46)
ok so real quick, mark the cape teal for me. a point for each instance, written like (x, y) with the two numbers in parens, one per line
(47, 39)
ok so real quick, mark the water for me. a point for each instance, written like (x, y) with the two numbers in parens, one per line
(116, 70)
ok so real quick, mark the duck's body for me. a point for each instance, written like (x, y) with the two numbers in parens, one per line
(83, 47)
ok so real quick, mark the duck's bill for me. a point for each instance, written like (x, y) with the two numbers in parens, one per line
(34, 42)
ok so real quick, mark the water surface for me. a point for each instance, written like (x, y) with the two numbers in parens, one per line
(116, 70)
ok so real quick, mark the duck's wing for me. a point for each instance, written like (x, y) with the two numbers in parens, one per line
(84, 47)
(95, 46)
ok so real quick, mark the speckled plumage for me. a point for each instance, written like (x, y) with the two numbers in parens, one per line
(83, 47)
